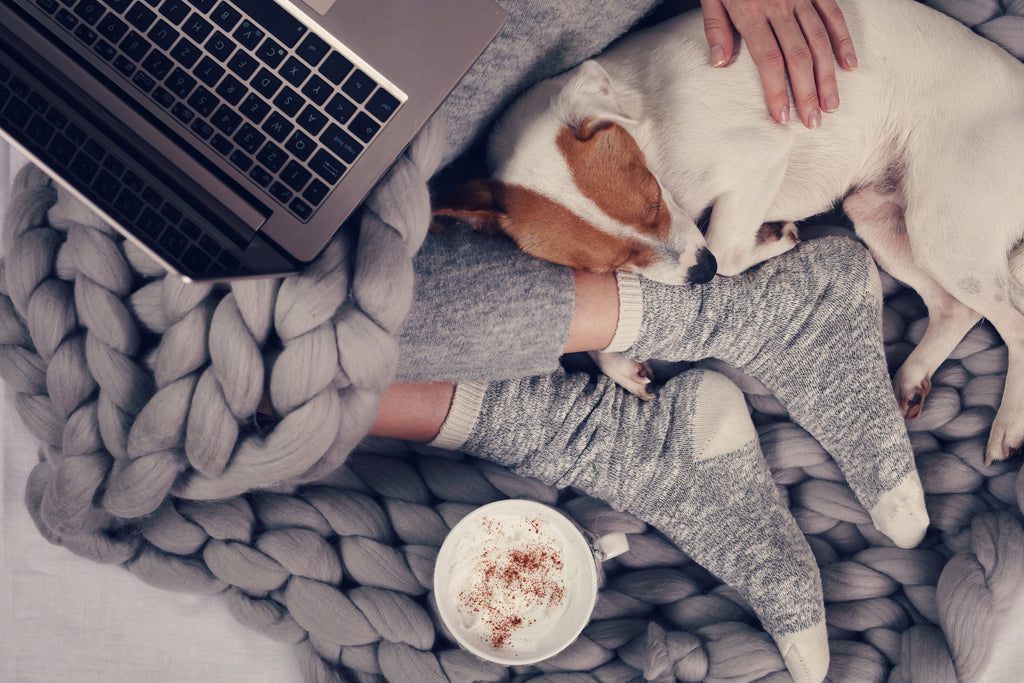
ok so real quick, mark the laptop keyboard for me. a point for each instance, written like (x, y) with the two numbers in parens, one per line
(48, 130)
(248, 80)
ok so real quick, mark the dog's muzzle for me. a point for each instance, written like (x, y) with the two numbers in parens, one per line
(705, 268)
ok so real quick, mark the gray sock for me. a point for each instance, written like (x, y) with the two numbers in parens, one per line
(688, 463)
(808, 325)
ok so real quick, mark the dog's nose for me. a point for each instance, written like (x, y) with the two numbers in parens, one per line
(705, 268)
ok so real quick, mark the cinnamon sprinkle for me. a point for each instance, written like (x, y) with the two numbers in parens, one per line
(531, 573)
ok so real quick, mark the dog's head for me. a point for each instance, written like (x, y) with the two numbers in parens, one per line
(571, 185)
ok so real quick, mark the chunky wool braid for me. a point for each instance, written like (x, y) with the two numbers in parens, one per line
(116, 412)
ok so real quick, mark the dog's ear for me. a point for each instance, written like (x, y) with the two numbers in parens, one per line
(478, 203)
(589, 103)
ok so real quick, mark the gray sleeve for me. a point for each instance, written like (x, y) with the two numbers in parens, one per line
(483, 310)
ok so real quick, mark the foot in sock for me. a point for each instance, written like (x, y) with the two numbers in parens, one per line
(689, 464)
(807, 324)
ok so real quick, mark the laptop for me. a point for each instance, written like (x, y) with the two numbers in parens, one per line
(229, 138)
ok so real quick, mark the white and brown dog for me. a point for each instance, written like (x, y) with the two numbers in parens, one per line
(609, 165)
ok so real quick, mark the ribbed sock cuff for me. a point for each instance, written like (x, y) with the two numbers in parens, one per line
(631, 312)
(462, 416)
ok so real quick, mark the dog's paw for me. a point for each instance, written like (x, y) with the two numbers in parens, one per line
(911, 398)
(1004, 440)
(629, 374)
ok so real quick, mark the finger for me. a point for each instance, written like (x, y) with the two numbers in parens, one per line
(718, 29)
(839, 33)
(771, 65)
(820, 45)
(799, 64)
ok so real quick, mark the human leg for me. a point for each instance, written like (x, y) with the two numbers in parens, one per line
(689, 464)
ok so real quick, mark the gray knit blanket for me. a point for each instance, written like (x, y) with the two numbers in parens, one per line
(143, 392)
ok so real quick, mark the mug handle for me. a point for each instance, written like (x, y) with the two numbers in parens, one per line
(611, 545)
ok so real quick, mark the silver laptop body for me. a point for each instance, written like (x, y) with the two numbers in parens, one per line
(229, 138)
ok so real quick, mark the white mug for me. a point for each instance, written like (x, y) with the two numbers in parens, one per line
(516, 580)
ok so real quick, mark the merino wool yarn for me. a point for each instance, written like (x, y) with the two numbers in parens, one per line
(143, 393)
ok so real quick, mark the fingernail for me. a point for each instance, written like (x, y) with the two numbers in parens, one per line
(717, 55)
(851, 61)
(814, 119)
(783, 116)
(831, 102)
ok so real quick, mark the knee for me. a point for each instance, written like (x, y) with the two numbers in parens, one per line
(852, 275)
(721, 420)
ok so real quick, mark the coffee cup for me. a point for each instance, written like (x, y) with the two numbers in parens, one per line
(516, 580)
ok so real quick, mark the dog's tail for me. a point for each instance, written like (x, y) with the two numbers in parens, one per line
(1017, 273)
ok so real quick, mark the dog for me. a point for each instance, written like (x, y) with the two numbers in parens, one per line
(609, 165)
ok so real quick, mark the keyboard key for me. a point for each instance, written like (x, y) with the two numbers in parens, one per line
(363, 127)
(358, 86)
(327, 167)
(203, 6)
(281, 193)
(135, 46)
(90, 11)
(62, 149)
(124, 65)
(114, 165)
(266, 83)
(85, 34)
(183, 113)
(300, 208)
(197, 28)
(186, 53)
(232, 89)
(208, 71)
(190, 229)
(335, 68)
(277, 127)
(175, 11)
(195, 260)
(382, 105)
(243, 64)
(294, 71)
(241, 160)
(112, 28)
(248, 34)
(140, 16)
(48, 6)
(119, 6)
(220, 46)
(133, 182)
(316, 192)
(201, 128)
(152, 197)
(270, 53)
(150, 223)
(225, 16)
(295, 175)
(226, 120)
(340, 108)
(312, 49)
(67, 19)
(221, 144)
(289, 102)
(203, 101)
(39, 131)
(143, 81)
(162, 97)
(127, 204)
(171, 213)
(158, 65)
(105, 50)
(272, 156)
(317, 90)
(254, 108)
(57, 118)
(163, 34)
(173, 241)
(249, 139)
(278, 21)
(300, 145)
(180, 83)
(311, 119)
(261, 176)
(341, 143)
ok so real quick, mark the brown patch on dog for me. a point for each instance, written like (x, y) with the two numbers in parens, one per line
(770, 232)
(542, 227)
(610, 170)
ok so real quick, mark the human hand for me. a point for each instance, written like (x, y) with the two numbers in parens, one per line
(797, 37)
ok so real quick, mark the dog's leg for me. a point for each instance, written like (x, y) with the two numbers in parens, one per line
(633, 376)
(738, 238)
(878, 215)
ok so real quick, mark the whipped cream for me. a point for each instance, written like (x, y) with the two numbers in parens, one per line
(511, 579)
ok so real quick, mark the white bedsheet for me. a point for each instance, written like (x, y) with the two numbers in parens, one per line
(69, 619)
